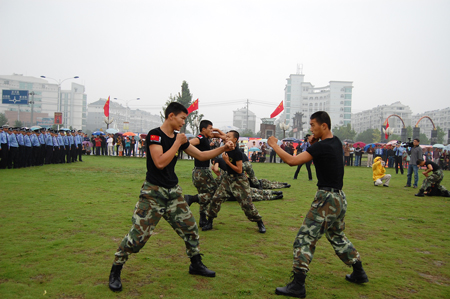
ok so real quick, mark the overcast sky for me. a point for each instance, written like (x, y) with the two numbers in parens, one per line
(231, 51)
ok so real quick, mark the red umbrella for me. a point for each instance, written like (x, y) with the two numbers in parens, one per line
(129, 134)
(359, 143)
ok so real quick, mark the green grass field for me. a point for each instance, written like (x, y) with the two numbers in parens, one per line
(60, 226)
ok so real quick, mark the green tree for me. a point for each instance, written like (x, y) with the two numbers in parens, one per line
(376, 136)
(424, 139)
(440, 135)
(3, 119)
(344, 132)
(18, 123)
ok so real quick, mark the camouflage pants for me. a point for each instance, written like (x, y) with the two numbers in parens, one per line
(434, 179)
(248, 169)
(261, 195)
(206, 185)
(156, 202)
(266, 184)
(238, 187)
(326, 216)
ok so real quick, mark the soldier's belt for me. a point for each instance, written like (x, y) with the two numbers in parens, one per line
(329, 189)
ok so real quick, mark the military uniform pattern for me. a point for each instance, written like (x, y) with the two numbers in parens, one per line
(248, 169)
(326, 216)
(156, 202)
(261, 195)
(206, 186)
(266, 184)
(433, 179)
(239, 187)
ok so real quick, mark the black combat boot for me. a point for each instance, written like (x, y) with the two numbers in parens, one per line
(421, 193)
(358, 275)
(277, 192)
(296, 288)
(278, 197)
(191, 199)
(203, 219)
(114, 278)
(198, 268)
(208, 225)
(261, 227)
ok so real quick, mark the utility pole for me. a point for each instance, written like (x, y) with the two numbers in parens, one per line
(247, 114)
(32, 106)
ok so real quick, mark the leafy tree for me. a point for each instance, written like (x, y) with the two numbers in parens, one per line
(246, 133)
(344, 132)
(376, 136)
(18, 123)
(424, 139)
(440, 135)
(184, 98)
(3, 119)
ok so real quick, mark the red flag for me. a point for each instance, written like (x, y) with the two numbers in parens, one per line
(278, 110)
(386, 130)
(193, 107)
(106, 108)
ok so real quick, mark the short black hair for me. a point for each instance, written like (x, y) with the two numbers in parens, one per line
(419, 161)
(175, 108)
(235, 134)
(204, 124)
(417, 139)
(322, 117)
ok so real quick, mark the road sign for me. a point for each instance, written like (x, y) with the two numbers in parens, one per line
(18, 97)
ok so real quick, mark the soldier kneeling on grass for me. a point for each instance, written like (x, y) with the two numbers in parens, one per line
(432, 183)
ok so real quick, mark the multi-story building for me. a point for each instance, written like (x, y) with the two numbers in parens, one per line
(123, 119)
(73, 102)
(374, 118)
(440, 117)
(303, 97)
(244, 119)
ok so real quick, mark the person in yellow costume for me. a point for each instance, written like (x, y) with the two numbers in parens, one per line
(379, 173)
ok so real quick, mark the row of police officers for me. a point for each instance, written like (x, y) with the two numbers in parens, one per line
(22, 147)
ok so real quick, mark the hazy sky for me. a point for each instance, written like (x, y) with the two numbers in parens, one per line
(231, 51)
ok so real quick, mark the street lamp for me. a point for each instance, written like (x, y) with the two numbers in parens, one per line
(59, 82)
(137, 99)
(32, 94)
(284, 126)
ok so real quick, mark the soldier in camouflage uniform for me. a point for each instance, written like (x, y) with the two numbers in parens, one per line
(235, 184)
(161, 197)
(263, 183)
(202, 177)
(432, 181)
(327, 212)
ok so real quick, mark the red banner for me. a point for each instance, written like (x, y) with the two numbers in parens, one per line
(106, 108)
(193, 107)
(278, 110)
(58, 118)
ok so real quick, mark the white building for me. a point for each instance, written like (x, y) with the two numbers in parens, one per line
(137, 121)
(374, 118)
(441, 118)
(45, 102)
(244, 119)
(303, 97)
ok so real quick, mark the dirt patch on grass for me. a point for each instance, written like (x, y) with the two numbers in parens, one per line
(439, 280)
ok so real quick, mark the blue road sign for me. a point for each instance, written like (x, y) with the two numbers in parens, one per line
(18, 97)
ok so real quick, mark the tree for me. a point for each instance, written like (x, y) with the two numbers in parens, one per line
(367, 136)
(376, 136)
(440, 135)
(184, 98)
(423, 139)
(18, 123)
(344, 132)
(3, 119)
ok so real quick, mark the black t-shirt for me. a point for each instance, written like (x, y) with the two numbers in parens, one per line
(434, 165)
(162, 177)
(234, 155)
(327, 157)
(222, 164)
(244, 157)
(202, 146)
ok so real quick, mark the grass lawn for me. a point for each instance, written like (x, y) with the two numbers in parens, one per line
(61, 224)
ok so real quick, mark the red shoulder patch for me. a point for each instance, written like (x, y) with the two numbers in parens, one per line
(155, 138)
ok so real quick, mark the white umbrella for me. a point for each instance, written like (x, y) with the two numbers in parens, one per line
(438, 145)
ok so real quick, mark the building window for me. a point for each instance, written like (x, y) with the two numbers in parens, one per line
(347, 109)
(348, 96)
(348, 103)
(347, 116)
(288, 89)
(6, 82)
